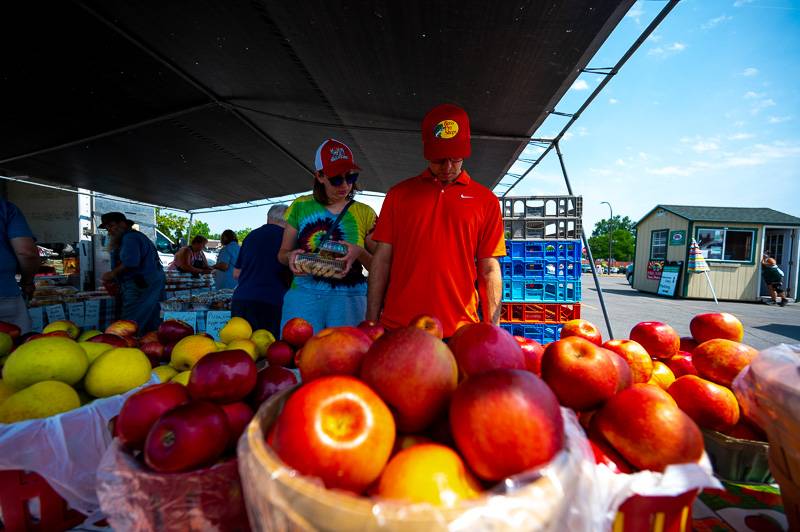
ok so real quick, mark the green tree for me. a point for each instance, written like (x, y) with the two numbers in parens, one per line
(200, 228)
(172, 225)
(241, 234)
(623, 239)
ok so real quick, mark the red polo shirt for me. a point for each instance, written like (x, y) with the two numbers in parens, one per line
(437, 233)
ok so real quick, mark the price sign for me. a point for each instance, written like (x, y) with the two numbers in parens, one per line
(75, 311)
(91, 313)
(37, 318)
(216, 320)
(188, 317)
(55, 313)
(669, 280)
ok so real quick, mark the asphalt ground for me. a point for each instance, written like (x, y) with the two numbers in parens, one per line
(764, 325)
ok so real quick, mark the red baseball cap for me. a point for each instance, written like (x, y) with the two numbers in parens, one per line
(334, 158)
(445, 133)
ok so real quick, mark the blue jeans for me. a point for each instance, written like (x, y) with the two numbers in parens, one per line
(323, 310)
(140, 303)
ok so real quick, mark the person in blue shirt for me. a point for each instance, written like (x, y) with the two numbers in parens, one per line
(226, 260)
(263, 280)
(18, 254)
(138, 271)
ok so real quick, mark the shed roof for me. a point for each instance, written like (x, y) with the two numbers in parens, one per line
(752, 215)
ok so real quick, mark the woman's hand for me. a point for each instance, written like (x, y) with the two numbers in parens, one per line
(292, 257)
(353, 252)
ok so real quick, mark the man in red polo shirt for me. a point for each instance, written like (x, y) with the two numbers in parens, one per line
(438, 233)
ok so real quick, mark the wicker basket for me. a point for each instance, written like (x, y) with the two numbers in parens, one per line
(279, 499)
(738, 460)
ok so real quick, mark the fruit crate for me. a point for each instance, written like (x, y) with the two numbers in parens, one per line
(548, 291)
(544, 333)
(645, 513)
(541, 269)
(738, 460)
(544, 249)
(542, 228)
(539, 312)
(542, 206)
(18, 489)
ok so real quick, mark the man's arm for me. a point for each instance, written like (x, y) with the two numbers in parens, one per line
(378, 279)
(490, 288)
(28, 258)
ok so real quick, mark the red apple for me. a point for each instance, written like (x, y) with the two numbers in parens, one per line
(662, 375)
(373, 329)
(429, 324)
(172, 331)
(239, 415)
(681, 364)
(506, 421)
(581, 374)
(143, 408)
(532, 351)
(714, 325)
(297, 332)
(334, 351)
(279, 353)
(154, 351)
(414, 373)
(658, 339)
(721, 360)
(688, 344)
(148, 337)
(123, 328)
(746, 430)
(337, 429)
(223, 377)
(269, 381)
(187, 437)
(110, 339)
(480, 347)
(650, 431)
(63, 334)
(10, 329)
(624, 373)
(583, 329)
(635, 355)
(710, 405)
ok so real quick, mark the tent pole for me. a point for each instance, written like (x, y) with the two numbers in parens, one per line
(189, 231)
(586, 246)
(711, 286)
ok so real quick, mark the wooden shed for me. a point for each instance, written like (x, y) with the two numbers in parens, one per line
(731, 239)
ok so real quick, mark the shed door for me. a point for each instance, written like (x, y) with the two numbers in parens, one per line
(778, 245)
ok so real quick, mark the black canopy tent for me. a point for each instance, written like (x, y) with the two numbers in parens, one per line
(198, 104)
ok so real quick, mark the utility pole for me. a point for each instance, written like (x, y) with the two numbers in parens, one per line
(610, 233)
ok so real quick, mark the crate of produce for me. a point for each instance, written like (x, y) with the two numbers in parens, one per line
(542, 206)
(543, 228)
(539, 312)
(549, 291)
(738, 460)
(544, 333)
(544, 249)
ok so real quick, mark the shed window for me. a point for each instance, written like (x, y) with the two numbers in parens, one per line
(735, 245)
(658, 244)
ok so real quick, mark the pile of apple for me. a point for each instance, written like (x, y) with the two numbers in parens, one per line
(643, 400)
(402, 415)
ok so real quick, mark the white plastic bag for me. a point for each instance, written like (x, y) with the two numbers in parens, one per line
(65, 449)
(561, 495)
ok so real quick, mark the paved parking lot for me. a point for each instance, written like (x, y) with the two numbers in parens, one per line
(764, 325)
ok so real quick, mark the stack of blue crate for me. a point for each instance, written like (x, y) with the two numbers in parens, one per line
(543, 260)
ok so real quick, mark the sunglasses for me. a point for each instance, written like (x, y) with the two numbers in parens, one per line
(337, 180)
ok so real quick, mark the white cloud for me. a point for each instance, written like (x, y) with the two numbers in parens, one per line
(613, 101)
(668, 50)
(671, 170)
(567, 136)
(749, 72)
(749, 95)
(762, 104)
(620, 162)
(580, 85)
(602, 172)
(654, 37)
(704, 146)
(740, 3)
(740, 136)
(582, 131)
(635, 12)
(779, 119)
(716, 22)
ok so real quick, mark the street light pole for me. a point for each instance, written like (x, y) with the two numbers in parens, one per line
(610, 233)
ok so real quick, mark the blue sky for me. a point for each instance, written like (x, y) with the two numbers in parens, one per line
(706, 112)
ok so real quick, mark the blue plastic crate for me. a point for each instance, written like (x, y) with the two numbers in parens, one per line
(546, 291)
(544, 249)
(544, 333)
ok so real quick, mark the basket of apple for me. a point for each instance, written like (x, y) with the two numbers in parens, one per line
(399, 430)
(172, 465)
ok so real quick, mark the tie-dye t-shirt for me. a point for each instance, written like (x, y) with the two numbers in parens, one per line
(312, 220)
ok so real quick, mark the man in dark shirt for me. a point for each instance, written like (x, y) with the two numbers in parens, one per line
(18, 254)
(138, 271)
(258, 297)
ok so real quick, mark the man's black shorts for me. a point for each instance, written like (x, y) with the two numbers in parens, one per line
(778, 287)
